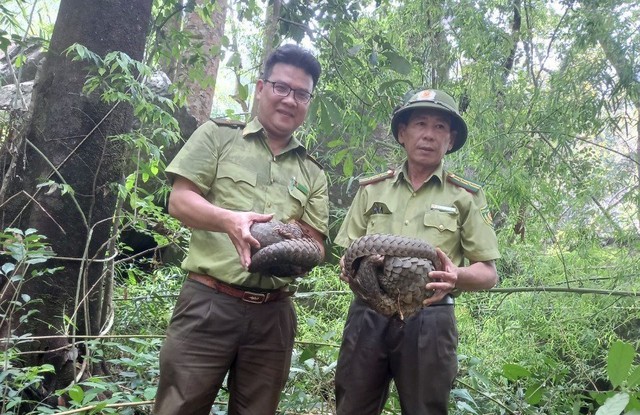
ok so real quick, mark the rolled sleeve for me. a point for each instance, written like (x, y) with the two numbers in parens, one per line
(316, 213)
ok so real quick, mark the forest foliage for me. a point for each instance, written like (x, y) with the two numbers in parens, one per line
(551, 94)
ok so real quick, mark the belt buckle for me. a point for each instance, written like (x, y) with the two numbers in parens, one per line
(254, 298)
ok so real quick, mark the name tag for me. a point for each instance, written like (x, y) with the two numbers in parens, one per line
(446, 209)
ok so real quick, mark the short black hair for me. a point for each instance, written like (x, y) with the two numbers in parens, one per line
(293, 55)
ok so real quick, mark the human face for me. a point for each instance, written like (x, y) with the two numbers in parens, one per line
(426, 137)
(281, 116)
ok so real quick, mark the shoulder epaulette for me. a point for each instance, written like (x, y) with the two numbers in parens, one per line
(314, 161)
(225, 122)
(376, 178)
(466, 184)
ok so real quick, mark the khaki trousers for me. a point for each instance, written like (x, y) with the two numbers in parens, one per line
(212, 334)
(419, 354)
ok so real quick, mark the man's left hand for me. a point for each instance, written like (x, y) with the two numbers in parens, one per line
(443, 280)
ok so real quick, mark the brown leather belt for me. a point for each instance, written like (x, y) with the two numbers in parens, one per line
(248, 296)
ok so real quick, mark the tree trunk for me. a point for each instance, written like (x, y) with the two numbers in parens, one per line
(69, 141)
(436, 48)
(269, 41)
(208, 36)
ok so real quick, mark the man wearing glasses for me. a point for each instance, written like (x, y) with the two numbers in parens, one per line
(228, 321)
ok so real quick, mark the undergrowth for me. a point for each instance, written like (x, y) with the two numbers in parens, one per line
(520, 351)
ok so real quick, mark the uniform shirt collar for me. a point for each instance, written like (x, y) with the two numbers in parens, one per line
(437, 176)
(254, 127)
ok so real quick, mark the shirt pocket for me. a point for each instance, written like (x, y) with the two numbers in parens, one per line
(441, 229)
(298, 200)
(379, 217)
(235, 188)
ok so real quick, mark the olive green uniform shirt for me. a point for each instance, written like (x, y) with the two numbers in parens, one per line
(234, 169)
(445, 214)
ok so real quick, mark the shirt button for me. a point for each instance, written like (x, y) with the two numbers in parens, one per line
(441, 227)
(406, 223)
(269, 204)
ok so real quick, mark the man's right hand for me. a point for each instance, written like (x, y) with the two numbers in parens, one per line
(238, 228)
(187, 204)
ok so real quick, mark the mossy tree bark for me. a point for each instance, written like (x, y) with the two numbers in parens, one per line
(70, 142)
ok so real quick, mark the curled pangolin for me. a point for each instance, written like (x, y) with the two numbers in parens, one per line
(389, 272)
(285, 249)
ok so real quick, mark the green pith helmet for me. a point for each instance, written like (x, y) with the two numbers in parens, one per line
(435, 99)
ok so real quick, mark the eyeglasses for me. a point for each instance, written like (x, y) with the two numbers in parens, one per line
(283, 90)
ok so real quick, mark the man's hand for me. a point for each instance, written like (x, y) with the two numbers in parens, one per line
(314, 234)
(238, 228)
(343, 274)
(444, 279)
(187, 204)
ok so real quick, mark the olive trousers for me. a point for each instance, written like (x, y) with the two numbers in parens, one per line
(212, 334)
(419, 354)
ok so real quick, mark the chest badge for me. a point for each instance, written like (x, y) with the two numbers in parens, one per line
(446, 209)
(293, 183)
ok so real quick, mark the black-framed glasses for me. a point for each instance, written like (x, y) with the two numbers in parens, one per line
(283, 90)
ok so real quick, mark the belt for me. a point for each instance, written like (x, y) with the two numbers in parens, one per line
(447, 300)
(247, 296)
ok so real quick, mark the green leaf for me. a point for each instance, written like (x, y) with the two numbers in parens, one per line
(398, 63)
(373, 58)
(5, 42)
(515, 372)
(309, 352)
(8, 268)
(76, 394)
(14, 231)
(614, 405)
(534, 393)
(462, 394)
(466, 407)
(325, 120)
(334, 113)
(339, 156)
(149, 393)
(37, 260)
(243, 91)
(335, 143)
(347, 166)
(235, 61)
(90, 396)
(634, 378)
(353, 51)
(619, 362)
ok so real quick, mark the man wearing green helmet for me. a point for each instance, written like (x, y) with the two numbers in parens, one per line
(419, 200)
